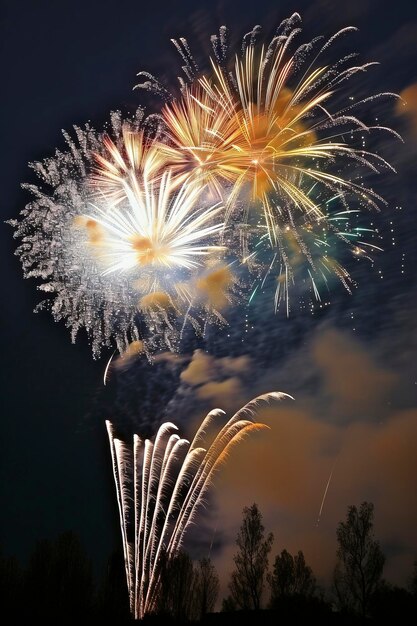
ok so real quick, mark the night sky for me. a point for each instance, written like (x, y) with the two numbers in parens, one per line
(351, 367)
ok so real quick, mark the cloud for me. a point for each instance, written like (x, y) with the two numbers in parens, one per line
(285, 471)
(352, 379)
(200, 369)
(216, 286)
(239, 364)
(348, 421)
(169, 357)
(223, 393)
(133, 351)
(217, 380)
(407, 106)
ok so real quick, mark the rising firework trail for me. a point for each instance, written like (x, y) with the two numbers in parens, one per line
(325, 494)
(160, 484)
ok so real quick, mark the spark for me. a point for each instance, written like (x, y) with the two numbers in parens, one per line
(107, 367)
(117, 244)
(270, 127)
(122, 167)
(325, 494)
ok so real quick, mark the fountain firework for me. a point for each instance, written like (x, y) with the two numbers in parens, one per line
(161, 483)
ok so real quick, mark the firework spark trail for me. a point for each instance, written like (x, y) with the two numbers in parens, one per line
(164, 481)
(325, 494)
(106, 370)
(118, 478)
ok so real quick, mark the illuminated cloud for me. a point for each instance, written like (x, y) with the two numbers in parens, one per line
(216, 287)
(133, 350)
(351, 378)
(199, 370)
(285, 471)
(222, 394)
(407, 106)
(351, 424)
(216, 382)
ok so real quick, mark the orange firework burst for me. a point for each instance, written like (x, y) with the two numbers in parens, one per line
(201, 140)
(267, 128)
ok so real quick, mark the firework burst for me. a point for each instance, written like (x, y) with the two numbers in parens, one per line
(120, 246)
(259, 165)
(155, 229)
(268, 127)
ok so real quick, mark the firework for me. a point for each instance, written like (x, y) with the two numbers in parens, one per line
(268, 126)
(200, 141)
(160, 484)
(155, 229)
(119, 245)
(258, 167)
(125, 165)
(309, 257)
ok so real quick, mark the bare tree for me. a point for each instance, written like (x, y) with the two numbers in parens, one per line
(360, 560)
(59, 582)
(11, 588)
(291, 577)
(175, 597)
(206, 587)
(248, 579)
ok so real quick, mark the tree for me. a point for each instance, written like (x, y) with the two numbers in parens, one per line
(11, 592)
(389, 602)
(248, 579)
(291, 577)
(59, 582)
(112, 603)
(413, 580)
(360, 560)
(176, 592)
(228, 605)
(206, 588)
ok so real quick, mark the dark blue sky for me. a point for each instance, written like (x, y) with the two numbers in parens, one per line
(68, 62)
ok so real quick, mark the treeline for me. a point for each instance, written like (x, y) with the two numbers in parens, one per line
(58, 586)
(288, 592)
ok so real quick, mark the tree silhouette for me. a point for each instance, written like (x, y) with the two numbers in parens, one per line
(112, 599)
(248, 579)
(11, 578)
(413, 581)
(206, 588)
(176, 590)
(59, 583)
(291, 577)
(360, 560)
(389, 602)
